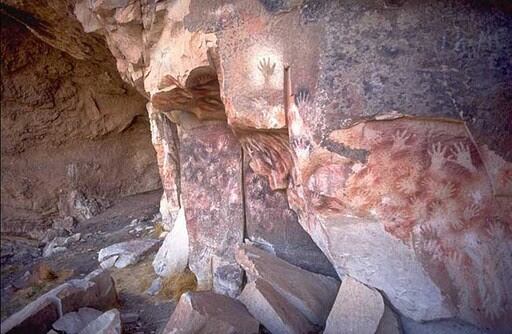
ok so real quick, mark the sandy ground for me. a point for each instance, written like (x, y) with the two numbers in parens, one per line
(112, 226)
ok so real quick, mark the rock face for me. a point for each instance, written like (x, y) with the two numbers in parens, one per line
(74, 136)
(188, 158)
(311, 294)
(360, 144)
(208, 312)
(387, 124)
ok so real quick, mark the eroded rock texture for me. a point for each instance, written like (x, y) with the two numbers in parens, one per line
(201, 160)
(74, 136)
(387, 123)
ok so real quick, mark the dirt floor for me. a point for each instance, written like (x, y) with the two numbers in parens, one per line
(129, 218)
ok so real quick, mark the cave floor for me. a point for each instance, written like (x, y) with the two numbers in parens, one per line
(111, 226)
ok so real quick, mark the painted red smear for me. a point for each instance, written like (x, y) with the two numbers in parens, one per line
(425, 181)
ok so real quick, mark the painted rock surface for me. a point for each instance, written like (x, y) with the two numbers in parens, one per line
(387, 123)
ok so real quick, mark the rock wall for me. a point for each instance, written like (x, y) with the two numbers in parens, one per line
(387, 123)
(72, 132)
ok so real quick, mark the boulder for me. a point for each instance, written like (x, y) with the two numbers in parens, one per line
(96, 290)
(273, 310)
(389, 323)
(107, 323)
(104, 289)
(172, 257)
(128, 252)
(155, 287)
(59, 244)
(447, 326)
(74, 322)
(358, 309)
(312, 294)
(75, 204)
(227, 277)
(209, 313)
(67, 224)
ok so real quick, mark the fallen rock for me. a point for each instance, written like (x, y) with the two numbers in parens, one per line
(357, 309)
(273, 310)
(109, 263)
(77, 205)
(447, 326)
(312, 294)
(128, 252)
(389, 324)
(127, 318)
(96, 290)
(23, 281)
(107, 323)
(155, 287)
(67, 224)
(59, 244)
(227, 277)
(208, 312)
(104, 289)
(36, 317)
(172, 257)
(74, 322)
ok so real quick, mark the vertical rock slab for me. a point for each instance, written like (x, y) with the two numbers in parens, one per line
(172, 257)
(358, 309)
(211, 179)
(164, 137)
(208, 313)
